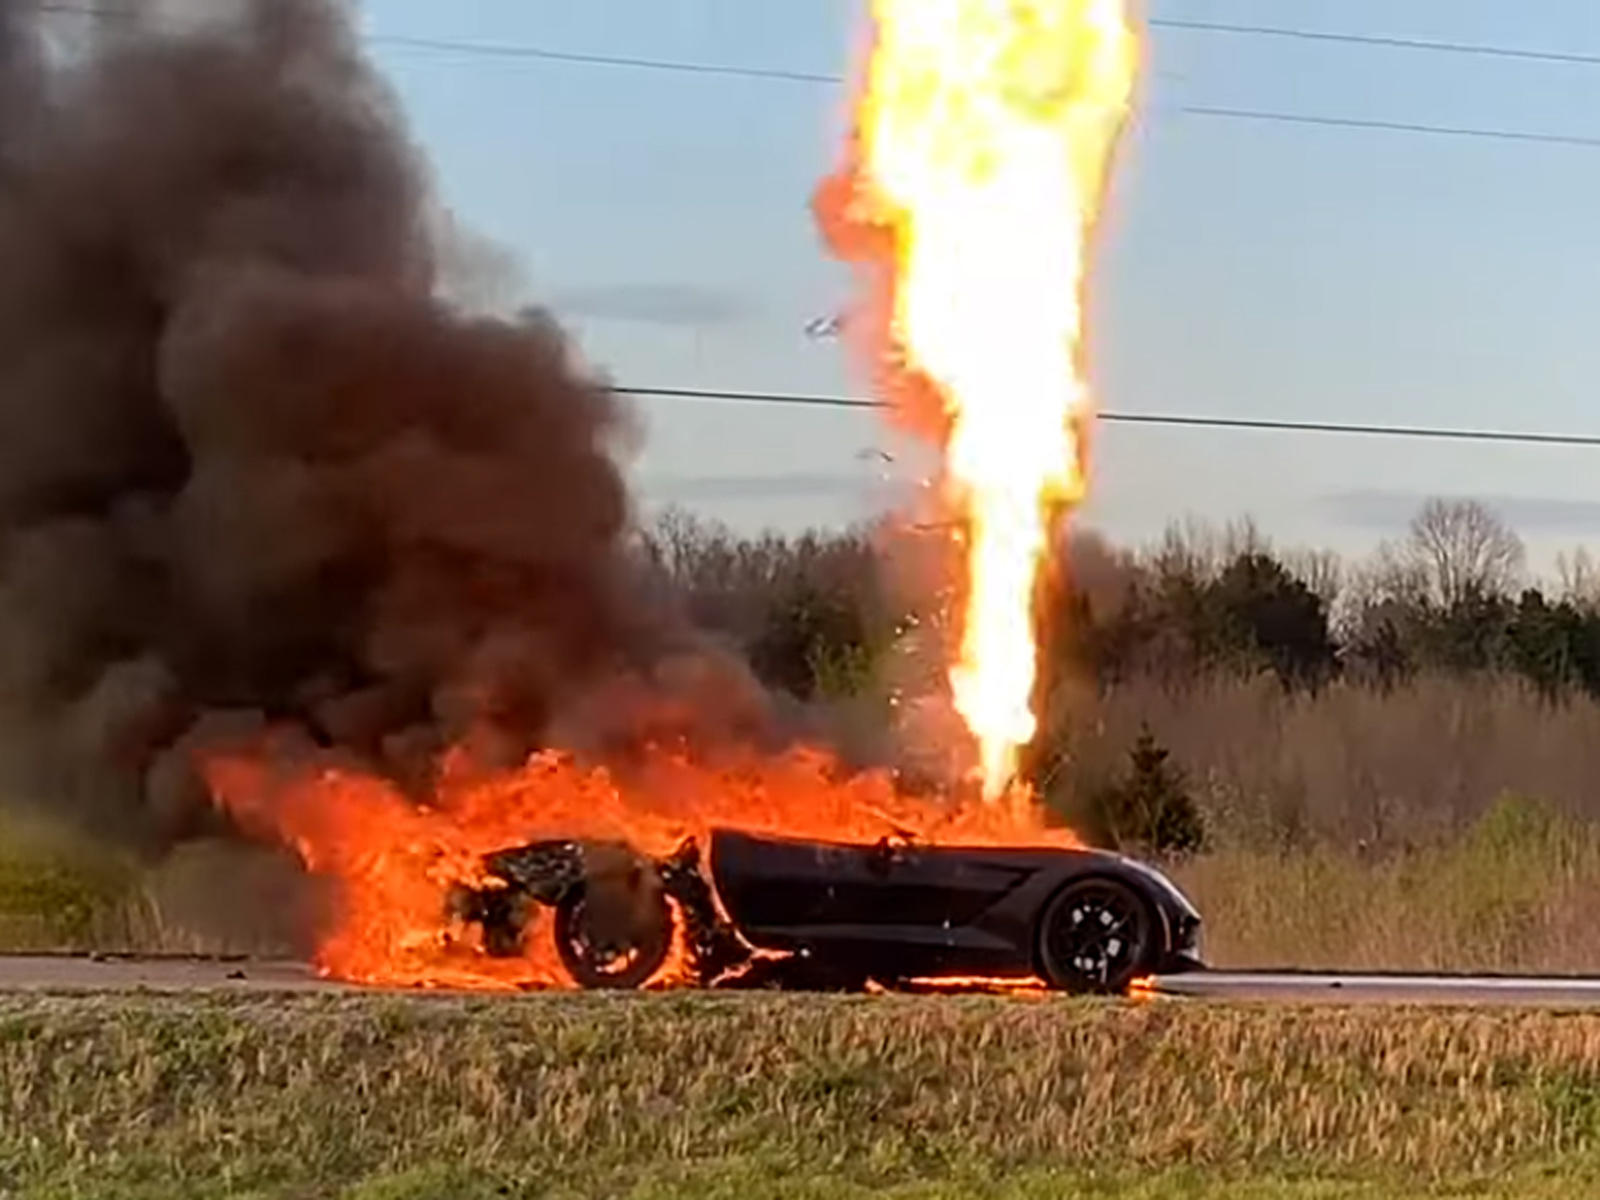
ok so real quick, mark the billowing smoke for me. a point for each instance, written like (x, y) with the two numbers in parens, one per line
(253, 468)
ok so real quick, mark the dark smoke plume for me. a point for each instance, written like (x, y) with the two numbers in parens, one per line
(253, 469)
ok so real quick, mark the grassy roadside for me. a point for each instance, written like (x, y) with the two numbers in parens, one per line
(1513, 891)
(692, 1095)
(742, 1181)
(59, 891)
(748, 1179)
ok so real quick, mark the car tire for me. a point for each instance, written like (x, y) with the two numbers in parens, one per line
(615, 967)
(1097, 936)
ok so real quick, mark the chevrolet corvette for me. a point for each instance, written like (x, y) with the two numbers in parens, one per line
(769, 910)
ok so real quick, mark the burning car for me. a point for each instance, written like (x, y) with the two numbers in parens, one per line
(815, 913)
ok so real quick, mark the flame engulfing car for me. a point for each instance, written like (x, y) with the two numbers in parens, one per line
(811, 913)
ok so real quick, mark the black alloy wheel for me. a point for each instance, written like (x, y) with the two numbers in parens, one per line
(1097, 936)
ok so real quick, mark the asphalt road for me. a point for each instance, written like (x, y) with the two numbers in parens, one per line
(1443, 990)
(70, 973)
(65, 973)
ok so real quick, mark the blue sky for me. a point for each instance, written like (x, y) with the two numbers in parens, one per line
(1244, 269)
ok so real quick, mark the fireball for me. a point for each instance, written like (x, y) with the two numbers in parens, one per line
(985, 134)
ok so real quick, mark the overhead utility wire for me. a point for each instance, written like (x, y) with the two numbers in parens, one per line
(1457, 131)
(1163, 419)
(600, 60)
(1193, 110)
(1154, 419)
(1393, 43)
(519, 50)
(515, 50)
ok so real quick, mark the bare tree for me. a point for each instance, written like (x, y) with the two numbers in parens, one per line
(1392, 574)
(1580, 578)
(1323, 571)
(1462, 549)
(1198, 550)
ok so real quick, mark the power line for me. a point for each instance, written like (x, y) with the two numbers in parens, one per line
(1173, 420)
(792, 398)
(1456, 131)
(514, 50)
(1393, 43)
(1204, 111)
(518, 50)
(511, 50)
(524, 51)
(507, 49)
(504, 50)
(1192, 110)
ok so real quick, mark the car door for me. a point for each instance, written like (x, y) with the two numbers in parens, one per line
(887, 889)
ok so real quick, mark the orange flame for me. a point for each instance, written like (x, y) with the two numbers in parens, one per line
(984, 140)
(392, 863)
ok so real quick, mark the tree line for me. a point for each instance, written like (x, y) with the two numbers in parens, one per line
(815, 614)
(1451, 596)
(840, 615)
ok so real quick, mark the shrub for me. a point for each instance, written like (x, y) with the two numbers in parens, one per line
(1150, 809)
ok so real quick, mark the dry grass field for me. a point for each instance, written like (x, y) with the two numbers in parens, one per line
(1350, 769)
(657, 1096)
(1514, 891)
(60, 891)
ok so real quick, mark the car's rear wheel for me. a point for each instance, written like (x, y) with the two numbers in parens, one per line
(1097, 936)
(616, 958)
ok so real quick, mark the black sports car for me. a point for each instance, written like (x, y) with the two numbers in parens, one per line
(810, 913)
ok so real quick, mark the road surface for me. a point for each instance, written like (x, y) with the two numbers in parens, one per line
(69, 973)
(1306, 988)
(74, 973)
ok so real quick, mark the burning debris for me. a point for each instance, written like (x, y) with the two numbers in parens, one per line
(288, 536)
